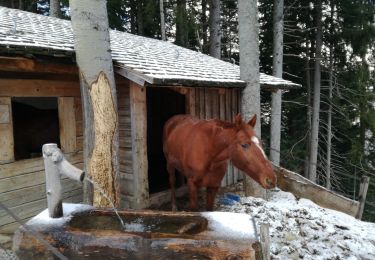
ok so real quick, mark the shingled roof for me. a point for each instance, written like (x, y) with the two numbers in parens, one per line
(154, 61)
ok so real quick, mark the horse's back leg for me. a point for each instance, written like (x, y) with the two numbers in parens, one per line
(210, 197)
(193, 195)
(172, 184)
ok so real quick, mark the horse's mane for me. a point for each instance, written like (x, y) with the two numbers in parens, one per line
(224, 124)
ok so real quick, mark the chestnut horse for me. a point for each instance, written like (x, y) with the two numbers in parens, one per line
(201, 149)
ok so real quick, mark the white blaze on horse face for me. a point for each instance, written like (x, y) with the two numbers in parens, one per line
(255, 141)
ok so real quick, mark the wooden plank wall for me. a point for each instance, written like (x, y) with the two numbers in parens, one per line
(125, 146)
(208, 103)
(22, 183)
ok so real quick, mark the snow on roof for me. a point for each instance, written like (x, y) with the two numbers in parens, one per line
(155, 61)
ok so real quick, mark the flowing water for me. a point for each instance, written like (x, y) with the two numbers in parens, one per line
(102, 192)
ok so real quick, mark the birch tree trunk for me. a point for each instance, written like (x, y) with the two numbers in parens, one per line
(98, 91)
(54, 8)
(278, 41)
(249, 71)
(329, 115)
(316, 99)
(215, 32)
(162, 20)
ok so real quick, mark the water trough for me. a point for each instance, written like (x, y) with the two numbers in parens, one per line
(83, 232)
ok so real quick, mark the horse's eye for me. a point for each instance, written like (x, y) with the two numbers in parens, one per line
(245, 146)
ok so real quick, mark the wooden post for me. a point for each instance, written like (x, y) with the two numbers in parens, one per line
(363, 187)
(138, 110)
(6, 131)
(265, 241)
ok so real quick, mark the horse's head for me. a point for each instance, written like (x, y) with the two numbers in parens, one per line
(247, 154)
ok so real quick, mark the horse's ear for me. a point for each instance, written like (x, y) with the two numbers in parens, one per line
(253, 121)
(238, 121)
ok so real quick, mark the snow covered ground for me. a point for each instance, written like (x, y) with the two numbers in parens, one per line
(300, 229)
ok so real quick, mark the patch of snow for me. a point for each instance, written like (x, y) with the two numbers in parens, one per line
(300, 229)
(68, 208)
(228, 225)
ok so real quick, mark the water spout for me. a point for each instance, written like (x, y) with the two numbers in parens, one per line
(56, 165)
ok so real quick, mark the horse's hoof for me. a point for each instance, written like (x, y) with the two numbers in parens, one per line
(174, 208)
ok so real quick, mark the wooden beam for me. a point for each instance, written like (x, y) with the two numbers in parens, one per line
(6, 131)
(38, 88)
(138, 114)
(304, 188)
(21, 64)
(67, 124)
(363, 188)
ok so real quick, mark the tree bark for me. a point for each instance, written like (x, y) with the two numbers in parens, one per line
(215, 29)
(98, 90)
(162, 20)
(140, 17)
(204, 25)
(181, 24)
(316, 100)
(278, 42)
(309, 111)
(249, 72)
(54, 8)
(329, 115)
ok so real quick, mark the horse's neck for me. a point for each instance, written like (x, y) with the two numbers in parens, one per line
(222, 142)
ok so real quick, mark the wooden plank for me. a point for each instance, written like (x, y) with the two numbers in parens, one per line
(215, 104)
(157, 199)
(67, 124)
(21, 64)
(6, 131)
(363, 188)
(304, 188)
(191, 102)
(138, 109)
(21, 196)
(38, 88)
(234, 113)
(208, 103)
(197, 102)
(32, 165)
(229, 117)
(202, 112)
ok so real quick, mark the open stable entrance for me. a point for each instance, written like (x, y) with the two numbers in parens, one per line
(162, 104)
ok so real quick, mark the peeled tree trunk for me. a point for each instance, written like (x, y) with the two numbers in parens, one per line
(249, 72)
(215, 32)
(278, 40)
(98, 92)
(316, 99)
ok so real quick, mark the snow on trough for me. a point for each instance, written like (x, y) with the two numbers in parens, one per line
(300, 229)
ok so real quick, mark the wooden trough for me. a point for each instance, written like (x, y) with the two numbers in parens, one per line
(97, 234)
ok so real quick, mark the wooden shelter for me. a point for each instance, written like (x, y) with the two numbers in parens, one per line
(39, 90)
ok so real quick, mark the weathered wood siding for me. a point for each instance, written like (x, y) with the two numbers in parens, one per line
(22, 183)
(125, 153)
(207, 103)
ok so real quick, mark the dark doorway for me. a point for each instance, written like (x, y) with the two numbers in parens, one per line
(162, 104)
(35, 122)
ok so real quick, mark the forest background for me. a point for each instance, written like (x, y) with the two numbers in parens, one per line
(346, 143)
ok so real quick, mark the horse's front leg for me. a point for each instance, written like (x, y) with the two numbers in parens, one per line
(210, 197)
(193, 195)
